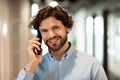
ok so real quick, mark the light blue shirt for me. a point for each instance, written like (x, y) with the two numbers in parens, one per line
(74, 65)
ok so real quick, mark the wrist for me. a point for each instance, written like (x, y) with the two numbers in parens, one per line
(31, 67)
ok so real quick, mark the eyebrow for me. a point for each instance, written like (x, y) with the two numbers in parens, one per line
(41, 29)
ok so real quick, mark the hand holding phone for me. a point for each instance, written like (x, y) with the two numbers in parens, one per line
(34, 53)
(40, 40)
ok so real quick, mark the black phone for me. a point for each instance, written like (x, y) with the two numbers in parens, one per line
(40, 40)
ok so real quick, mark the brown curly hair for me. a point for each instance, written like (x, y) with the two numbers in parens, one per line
(57, 12)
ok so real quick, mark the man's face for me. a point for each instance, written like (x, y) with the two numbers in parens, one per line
(54, 33)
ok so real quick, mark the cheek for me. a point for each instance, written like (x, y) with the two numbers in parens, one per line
(44, 39)
(63, 33)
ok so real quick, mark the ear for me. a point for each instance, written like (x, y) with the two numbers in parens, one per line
(68, 29)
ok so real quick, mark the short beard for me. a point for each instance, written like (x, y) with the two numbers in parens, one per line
(59, 46)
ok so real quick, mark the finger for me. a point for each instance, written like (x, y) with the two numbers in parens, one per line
(34, 42)
(32, 48)
(36, 38)
(38, 56)
(35, 46)
(33, 39)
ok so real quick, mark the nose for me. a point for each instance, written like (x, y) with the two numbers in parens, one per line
(51, 34)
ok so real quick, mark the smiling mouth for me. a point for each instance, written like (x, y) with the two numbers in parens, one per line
(53, 41)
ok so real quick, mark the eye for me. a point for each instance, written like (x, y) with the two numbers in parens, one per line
(56, 28)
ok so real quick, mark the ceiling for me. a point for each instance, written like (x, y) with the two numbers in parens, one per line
(92, 5)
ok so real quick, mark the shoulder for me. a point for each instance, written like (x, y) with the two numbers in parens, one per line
(88, 59)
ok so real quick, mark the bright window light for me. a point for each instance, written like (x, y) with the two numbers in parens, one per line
(53, 3)
(4, 28)
(98, 27)
(33, 32)
(34, 9)
(89, 25)
(89, 31)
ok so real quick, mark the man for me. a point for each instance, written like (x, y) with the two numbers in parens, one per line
(63, 61)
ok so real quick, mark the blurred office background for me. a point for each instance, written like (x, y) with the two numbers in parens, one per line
(96, 30)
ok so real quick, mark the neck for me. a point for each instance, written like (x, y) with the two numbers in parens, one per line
(58, 54)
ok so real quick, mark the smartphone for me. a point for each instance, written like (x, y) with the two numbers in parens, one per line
(40, 40)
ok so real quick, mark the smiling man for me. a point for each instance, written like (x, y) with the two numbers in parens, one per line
(63, 61)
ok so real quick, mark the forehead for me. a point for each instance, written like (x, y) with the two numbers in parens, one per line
(49, 22)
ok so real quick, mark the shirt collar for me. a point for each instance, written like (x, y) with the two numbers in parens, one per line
(67, 54)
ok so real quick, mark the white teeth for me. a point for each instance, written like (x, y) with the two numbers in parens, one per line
(52, 40)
